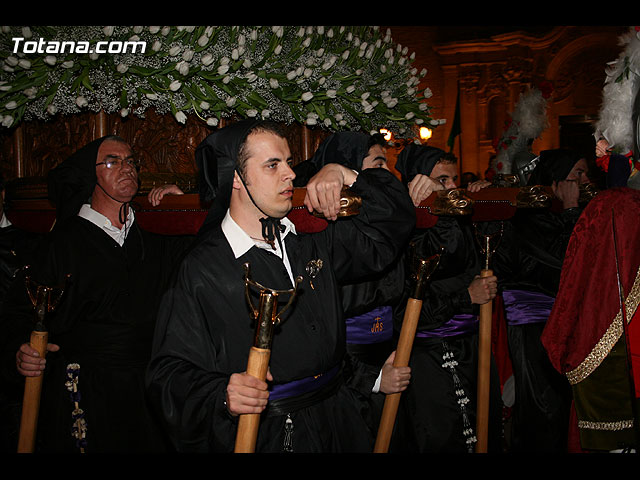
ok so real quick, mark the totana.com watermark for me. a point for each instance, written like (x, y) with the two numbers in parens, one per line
(20, 45)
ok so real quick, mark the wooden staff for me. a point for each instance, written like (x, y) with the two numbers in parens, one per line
(267, 318)
(484, 360)
(44, 300)
(403, 351)
(31, 398)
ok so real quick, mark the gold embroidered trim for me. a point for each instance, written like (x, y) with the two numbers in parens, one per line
(610, 426)
(609, 339)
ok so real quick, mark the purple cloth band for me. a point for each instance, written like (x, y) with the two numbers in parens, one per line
(458, 325)
(522, 306)
(298, 387)
(371, 327)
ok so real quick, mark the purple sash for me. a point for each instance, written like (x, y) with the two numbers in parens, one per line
(371, 327)
(458, 325)
(298, 387)
(522, 306)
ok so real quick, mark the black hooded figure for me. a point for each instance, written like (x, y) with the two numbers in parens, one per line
(367, 304)
(438, 408)
(103, 323)
(532, 254)
(205, 330)
(346, 148)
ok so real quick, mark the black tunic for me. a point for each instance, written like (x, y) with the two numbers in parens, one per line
(104, 323)
(533, 254)
(205, 332)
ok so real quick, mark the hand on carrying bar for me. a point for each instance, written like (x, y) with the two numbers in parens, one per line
(324, 188)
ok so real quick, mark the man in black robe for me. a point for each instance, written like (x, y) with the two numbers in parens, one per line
(368, 304)
(532, 255)
(100, 334)
(438, 408)
(197, 374)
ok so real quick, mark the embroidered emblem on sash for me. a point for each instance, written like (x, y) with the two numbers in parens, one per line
(377, 325)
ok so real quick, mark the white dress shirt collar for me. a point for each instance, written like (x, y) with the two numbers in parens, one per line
(98, 219)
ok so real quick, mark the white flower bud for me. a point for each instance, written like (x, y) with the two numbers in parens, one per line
(175, 86)
(81, 101)
(207, 59)
(30, 93)
(182, 67)
(187, 55)
(181, 117)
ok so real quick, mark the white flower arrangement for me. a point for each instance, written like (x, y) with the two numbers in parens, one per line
(340, 77)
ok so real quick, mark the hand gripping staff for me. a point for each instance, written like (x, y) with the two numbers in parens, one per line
(267, 318)
(44, 300)
(484, 354)
(423, 270)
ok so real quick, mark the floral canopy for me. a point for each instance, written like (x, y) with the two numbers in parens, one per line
(339, 77)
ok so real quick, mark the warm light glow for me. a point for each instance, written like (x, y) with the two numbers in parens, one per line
(386, 133)
(425, 133)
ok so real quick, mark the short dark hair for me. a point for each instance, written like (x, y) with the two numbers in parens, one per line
(376, 139)
(448, 157)
(266, 126)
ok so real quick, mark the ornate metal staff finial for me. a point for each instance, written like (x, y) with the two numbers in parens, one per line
(486, 241)
(266, 314)
(45, 299)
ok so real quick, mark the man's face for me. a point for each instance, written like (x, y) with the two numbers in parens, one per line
(268, 174)
(376, 158)
(579, 172)
(446, 174)
(120, 181)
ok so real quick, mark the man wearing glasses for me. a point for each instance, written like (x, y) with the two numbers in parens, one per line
(100, 335)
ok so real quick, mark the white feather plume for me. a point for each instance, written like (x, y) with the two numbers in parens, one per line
(618, 94)
(528, 121)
